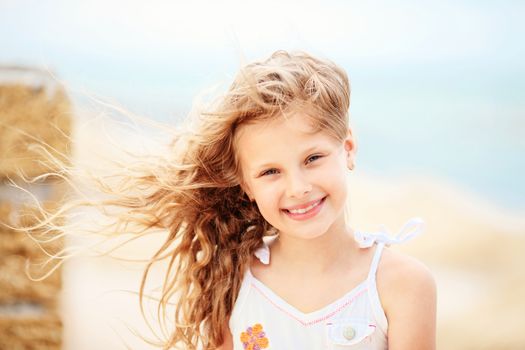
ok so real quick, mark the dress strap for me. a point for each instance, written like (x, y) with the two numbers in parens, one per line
(375, 262)
(412, 228)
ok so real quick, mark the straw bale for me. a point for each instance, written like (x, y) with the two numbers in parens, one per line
(32, 116)
(35, 121)
(15, 285)
(17, 250)
(31, 333)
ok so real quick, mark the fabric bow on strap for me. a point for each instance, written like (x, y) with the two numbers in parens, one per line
(263, 253)
(412, 228)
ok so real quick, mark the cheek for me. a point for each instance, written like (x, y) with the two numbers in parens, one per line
(335, 178)
(267, 198)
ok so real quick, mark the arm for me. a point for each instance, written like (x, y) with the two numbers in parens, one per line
(408, 293)
(228, 339)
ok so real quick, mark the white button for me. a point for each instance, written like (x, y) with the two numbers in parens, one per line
(349, 333)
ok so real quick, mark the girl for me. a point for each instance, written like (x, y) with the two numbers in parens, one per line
(313, 283)
(260, 254)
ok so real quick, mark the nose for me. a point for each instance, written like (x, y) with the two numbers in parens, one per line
(297, 185)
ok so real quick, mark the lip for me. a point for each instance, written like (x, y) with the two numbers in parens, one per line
(307, 215)
(305, 205)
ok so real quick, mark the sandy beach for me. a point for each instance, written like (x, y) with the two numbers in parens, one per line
(474, 249)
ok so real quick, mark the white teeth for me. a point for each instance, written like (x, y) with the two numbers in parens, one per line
(304, 210)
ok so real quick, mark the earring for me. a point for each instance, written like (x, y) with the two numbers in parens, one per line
(351, 165)
(350, 161)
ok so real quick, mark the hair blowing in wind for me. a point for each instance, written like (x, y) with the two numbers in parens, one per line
(195, 192)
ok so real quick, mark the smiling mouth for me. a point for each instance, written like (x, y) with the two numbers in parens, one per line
(305, 210)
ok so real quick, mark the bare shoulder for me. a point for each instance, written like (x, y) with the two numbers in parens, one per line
(407, 290)
(398, 272)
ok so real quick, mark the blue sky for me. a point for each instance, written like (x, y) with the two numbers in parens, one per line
(375, 32)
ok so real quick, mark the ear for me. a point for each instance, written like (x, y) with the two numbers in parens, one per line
(350, 146)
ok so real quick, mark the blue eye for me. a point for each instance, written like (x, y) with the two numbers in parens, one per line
(312, 158)
(269, 172)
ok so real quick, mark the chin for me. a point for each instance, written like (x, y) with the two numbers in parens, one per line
(307, 235)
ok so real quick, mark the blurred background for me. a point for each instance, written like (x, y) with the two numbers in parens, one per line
(437, 107)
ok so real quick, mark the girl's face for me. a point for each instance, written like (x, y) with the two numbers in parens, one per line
(296, 176)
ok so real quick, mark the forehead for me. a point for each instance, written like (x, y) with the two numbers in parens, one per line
(297, 125)
(275, 139)
(296, 122)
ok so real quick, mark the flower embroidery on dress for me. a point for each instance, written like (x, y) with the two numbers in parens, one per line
(254, 338)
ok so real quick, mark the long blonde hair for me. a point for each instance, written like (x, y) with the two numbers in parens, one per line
(213, 227)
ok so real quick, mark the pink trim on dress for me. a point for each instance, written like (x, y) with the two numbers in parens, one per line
(309, 323)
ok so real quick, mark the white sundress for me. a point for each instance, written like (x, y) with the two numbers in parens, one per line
(262, 320)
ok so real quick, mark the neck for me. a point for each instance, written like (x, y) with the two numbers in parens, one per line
(316, 255)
